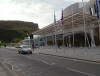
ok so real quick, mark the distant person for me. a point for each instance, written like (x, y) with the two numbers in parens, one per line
(33, 47)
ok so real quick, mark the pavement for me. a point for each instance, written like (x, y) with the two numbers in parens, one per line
(88, 54)
(5, 70)
(11, 47)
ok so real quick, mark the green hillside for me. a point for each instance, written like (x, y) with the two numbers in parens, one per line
(14, 31)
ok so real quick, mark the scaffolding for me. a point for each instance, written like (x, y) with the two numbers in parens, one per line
(78, 26)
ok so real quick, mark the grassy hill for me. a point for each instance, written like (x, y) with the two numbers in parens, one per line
(14, 31)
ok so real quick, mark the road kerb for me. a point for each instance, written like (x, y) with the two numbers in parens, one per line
(85, 60)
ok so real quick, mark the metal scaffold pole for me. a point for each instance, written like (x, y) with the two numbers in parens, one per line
(85, 34)
(84, 23)
(92, 28)
(55, 30)
(63, 35)
(62, 25)
(73, 26)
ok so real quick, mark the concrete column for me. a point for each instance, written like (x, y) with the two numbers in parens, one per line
(92, 36)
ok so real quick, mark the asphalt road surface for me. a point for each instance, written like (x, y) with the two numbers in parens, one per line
(46, 65)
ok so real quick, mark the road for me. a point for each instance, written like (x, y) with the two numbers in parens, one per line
(46, 65)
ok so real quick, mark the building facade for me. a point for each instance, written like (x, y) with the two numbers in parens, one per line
(80, 28)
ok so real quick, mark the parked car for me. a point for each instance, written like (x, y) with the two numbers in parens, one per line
(24, 49)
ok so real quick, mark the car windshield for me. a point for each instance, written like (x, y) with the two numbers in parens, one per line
(25, 47)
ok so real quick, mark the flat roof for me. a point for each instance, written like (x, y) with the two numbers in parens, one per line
(77, 21)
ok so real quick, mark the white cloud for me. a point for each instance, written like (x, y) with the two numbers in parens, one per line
(39, 11)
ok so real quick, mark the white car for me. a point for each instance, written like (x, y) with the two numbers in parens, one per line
(25, 49)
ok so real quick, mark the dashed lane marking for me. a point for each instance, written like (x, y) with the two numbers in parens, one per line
(48, 62)
(74, 70)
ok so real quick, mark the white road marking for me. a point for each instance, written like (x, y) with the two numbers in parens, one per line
(80, 72)
(53, 63)
(85, 61)
(48, 62)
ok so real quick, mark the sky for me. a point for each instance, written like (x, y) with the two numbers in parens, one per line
(37, 11)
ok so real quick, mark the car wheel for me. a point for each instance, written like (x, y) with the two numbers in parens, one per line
(31, 52)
